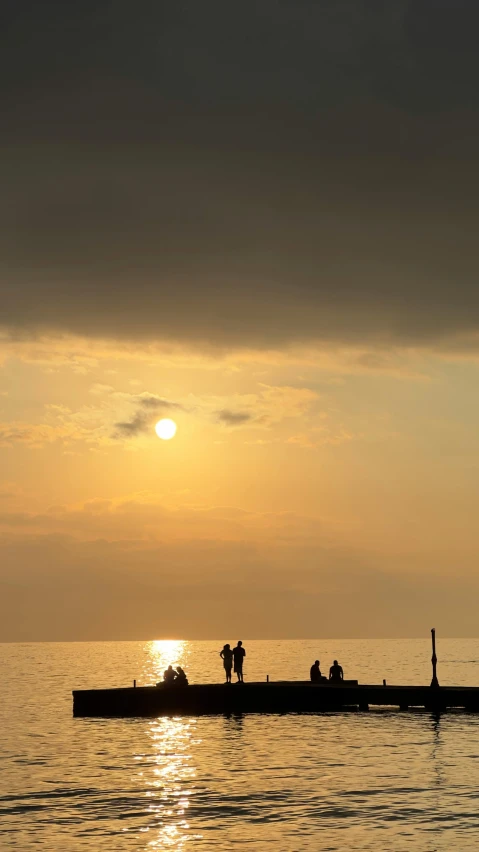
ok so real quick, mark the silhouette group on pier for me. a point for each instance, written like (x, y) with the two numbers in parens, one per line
(336, 694)
(233, 659)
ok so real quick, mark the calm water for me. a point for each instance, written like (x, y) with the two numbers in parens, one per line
(377, 781)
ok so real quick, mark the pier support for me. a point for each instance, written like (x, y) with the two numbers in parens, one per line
(434, 682)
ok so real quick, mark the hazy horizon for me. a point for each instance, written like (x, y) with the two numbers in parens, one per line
(221, 639)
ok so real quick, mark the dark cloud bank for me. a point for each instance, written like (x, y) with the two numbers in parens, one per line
(244, 174)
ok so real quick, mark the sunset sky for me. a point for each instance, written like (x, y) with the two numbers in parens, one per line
(259, 220)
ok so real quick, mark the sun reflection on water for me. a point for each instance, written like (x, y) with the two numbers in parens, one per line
(169, 770)
(171, 779)
(162, 653)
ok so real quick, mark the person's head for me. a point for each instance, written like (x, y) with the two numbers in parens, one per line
(335, 662)
(170, 668)
(316, 662)
(226, 648)
(179, 670)
(239, 643)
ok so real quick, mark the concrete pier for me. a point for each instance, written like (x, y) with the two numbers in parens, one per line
(271, 697)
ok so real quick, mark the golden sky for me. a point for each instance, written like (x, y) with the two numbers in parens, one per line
(306, 493)
(259, 221)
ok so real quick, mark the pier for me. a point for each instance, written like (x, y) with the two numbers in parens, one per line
(270, 697)
(273, 697)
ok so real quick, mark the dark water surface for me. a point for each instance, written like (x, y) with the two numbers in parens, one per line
(377, 781)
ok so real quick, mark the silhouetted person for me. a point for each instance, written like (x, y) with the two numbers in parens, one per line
(181, 679)
(169, 676)
(239, 654)
(315, 672)
(227, 655)
(336, 673)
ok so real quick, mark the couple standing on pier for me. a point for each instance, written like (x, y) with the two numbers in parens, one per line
(237, 656)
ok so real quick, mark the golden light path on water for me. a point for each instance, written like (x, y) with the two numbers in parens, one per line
(168, 768)
(163, 653)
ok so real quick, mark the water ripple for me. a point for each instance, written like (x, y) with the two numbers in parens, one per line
(303, 783)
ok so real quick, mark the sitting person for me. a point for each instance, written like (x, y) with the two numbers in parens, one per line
(181, 679)
(169, 676)
(336, 673)
(315, 672)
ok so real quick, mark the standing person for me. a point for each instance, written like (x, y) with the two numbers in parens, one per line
(336, 673)
(227, 656)
(239, 654)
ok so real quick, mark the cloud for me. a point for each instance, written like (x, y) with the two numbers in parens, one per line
(102, 589)
(136, 568)
(150, 408)
(9, 491)
(321, 437)
(262, 409)
(139, 424)
(314, 187)
(114, 415)
(35, 435)
(144, 517)
(233, 418)
(118, 415)
(99, 389)
(156, 403)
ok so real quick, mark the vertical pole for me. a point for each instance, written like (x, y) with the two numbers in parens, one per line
(267, 678)
(434, 681)
(134, 683)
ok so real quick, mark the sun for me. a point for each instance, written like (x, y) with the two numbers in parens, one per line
(165, 429)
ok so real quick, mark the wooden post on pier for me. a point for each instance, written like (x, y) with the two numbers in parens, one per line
(434, 681)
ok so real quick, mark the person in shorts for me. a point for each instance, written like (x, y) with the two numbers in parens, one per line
(239, 654)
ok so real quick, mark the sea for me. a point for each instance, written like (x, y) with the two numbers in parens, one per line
(382, 780)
